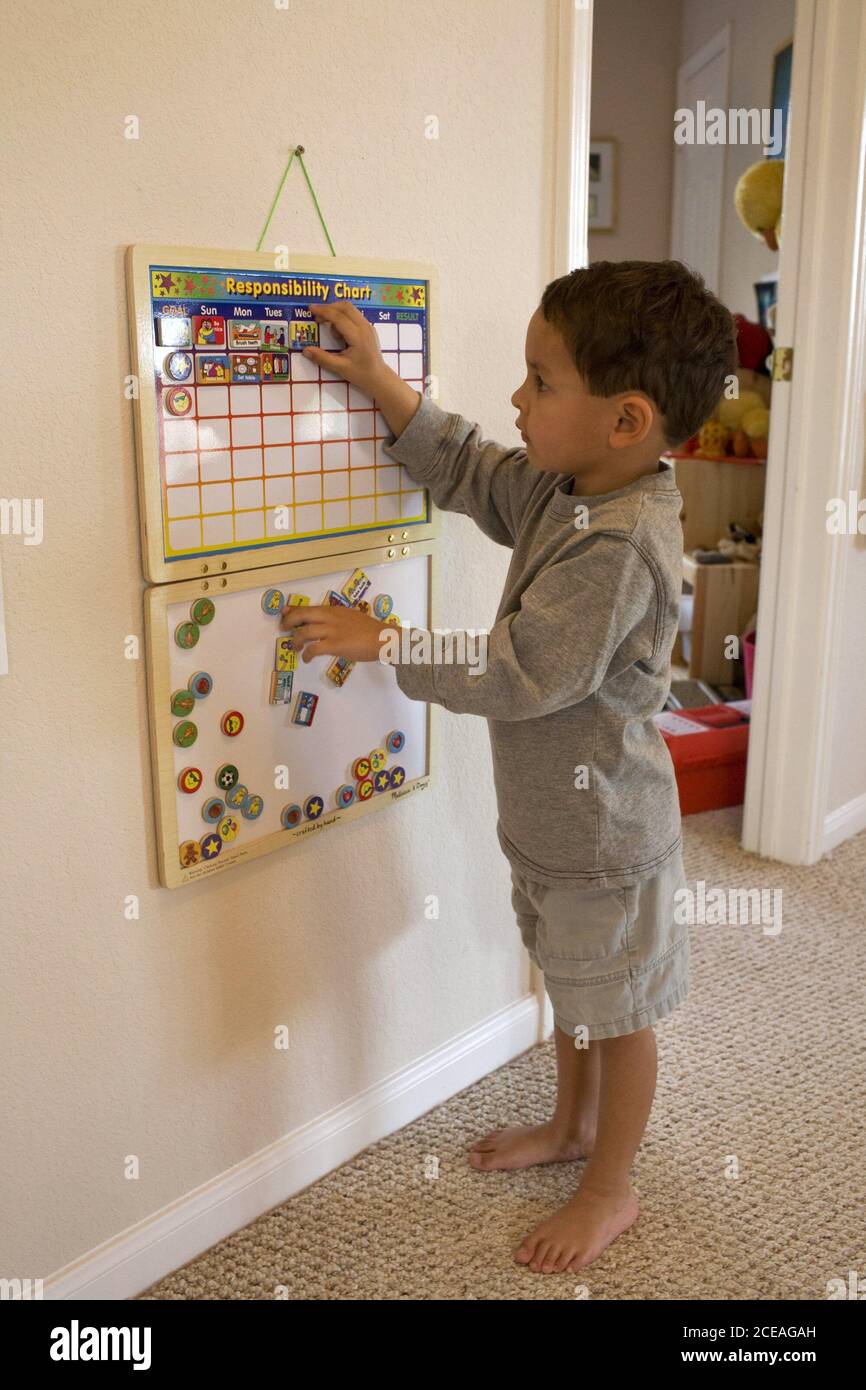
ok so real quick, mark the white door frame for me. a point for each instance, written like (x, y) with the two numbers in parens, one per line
(813, 440)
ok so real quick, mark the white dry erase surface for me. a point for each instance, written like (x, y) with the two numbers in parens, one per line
(234, 657)
(248, 453)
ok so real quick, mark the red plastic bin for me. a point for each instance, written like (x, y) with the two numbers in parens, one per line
(710, 767)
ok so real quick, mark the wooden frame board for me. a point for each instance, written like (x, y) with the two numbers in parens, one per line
(351, 719)
(227, 466)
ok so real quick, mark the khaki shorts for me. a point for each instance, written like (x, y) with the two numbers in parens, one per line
(614, 960)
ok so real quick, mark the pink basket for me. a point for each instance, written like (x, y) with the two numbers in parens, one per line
(749, 662)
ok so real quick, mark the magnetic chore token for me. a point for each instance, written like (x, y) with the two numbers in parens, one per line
(252, 807)
(228, 829)
(313, 807)
(273, 602)
(173, 330)
(202, 611)
(179, 400)
(185, 733)
(378, 759)
(397, 776)
(189, 853)
(382, 605)
(200, 684)
(182, 702)
(345, 794)
(237, 796)
(382, 781)
(232, 722)
(227, 777)
(213, 810)
(190, 779)
(211, 846)
(365, 789)
(392, 620)
(395, 740)
(186, 635)
(178, 366)
(361, 768)
(305, 708)
(290, 816)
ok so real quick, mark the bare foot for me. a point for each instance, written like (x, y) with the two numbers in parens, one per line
(522, 1146)
(576, 1233)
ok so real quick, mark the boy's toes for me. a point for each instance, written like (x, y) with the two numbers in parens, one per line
(542, 1256)
(482, 1155)
(485, 1144)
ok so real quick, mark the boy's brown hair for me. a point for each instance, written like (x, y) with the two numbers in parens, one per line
(651, 326)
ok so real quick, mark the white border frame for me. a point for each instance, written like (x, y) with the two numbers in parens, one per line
(157, 568)
(161, 722)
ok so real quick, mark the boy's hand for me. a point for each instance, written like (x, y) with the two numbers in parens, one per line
(333, 630)
(361, 363)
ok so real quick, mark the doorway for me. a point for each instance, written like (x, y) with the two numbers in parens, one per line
(625, 70)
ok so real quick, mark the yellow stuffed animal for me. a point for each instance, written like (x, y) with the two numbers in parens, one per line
(758, 200)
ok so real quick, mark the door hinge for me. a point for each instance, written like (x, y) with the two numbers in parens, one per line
(783, 363)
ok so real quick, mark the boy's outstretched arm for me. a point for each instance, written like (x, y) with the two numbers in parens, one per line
(441, 451)
(579, 619)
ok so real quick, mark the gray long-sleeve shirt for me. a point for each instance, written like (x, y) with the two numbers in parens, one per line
(578, 659)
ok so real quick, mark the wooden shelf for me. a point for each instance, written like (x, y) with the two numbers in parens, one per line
(716, 492)
(674, 455)
(724, 597)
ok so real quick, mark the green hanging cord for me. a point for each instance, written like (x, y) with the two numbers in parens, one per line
(276, 200)
(300, 154)
(299, 151)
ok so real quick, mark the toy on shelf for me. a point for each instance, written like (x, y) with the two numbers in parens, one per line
(758, 200)
(739, 427)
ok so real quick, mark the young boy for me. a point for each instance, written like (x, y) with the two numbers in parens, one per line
(623, 361)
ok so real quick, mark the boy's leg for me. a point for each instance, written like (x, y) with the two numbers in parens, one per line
(569, 1134)
(605, 1203)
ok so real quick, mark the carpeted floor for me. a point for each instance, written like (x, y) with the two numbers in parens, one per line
(765, 1062)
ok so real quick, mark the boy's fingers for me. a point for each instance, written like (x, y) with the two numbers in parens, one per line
(332, 311)
(331, 361)
(297, 614)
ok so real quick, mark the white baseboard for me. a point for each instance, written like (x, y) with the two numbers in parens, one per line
(841, 824)
(122, 1267)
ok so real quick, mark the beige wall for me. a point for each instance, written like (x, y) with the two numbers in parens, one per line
(154, 1037)
(634, 85)
(637, 50)
(757, 31)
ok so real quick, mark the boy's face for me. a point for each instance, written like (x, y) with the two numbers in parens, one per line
(568, 430)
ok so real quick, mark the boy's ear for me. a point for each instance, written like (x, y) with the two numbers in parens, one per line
(635, 418)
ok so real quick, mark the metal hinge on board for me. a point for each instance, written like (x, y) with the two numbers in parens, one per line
(783, 363)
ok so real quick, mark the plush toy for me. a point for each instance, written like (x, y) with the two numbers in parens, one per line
(756, 425)
(731, 412)
(758, 200)
(713, 439)
(753, 343)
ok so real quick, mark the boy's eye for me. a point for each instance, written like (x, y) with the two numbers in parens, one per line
(538, 380)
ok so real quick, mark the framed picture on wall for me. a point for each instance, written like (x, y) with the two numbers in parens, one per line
(780, 94)
(602, 185)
